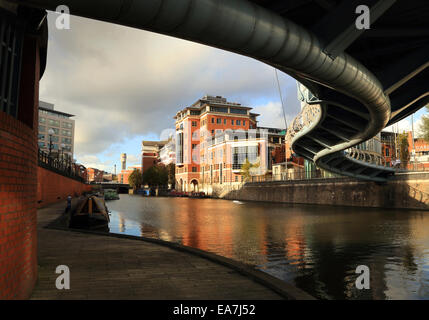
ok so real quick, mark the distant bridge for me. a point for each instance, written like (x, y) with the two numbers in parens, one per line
(119, 187)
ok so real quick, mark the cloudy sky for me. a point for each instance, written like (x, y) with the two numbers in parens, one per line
(125, 85)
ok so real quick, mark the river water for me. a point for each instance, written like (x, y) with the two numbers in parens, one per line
(316, 248)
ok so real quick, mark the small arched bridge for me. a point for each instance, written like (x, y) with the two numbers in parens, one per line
(119, 187)
(361, 80)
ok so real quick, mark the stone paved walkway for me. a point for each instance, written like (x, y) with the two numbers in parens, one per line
(103, 267)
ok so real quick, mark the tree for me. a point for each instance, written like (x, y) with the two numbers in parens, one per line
(156, 176)
(135, 179)
(247, 168)
(424, 127)
(171, 168)
(404, 154)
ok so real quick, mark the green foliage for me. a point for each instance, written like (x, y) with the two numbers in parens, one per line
(171, 168)
(156, 176)
(135, 179)
(424, 127)
(403, 149)
(246, 169)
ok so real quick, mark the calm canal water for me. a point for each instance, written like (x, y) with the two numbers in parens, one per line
(317, 248)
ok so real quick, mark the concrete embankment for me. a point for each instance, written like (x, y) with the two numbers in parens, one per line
(405, 191)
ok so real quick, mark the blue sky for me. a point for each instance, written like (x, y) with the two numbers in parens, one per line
(125, 85)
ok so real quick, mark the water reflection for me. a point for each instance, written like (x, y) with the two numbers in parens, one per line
(316, 247)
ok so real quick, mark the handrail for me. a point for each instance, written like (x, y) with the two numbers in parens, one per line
(62, 166)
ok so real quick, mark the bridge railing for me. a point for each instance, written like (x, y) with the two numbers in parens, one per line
(62, 166)
(295, 175)
(321, 174)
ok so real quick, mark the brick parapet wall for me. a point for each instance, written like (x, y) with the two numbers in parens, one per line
(18, 185)
(53, 187)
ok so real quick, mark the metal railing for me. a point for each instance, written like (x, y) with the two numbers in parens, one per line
(322, 174)
(62, 166)
(308, 114)
(367, 156)
(295, 175)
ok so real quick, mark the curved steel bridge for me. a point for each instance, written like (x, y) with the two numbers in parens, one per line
(360, 80)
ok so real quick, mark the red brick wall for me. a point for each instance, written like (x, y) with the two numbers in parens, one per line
(52, 187)
(18, 185)
(149, 162)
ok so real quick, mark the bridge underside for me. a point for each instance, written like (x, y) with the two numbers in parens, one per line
(364, 80)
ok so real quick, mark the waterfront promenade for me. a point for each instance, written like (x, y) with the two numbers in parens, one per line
(105, 267)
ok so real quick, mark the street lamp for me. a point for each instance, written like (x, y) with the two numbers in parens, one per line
(50, 132)
(62, 150)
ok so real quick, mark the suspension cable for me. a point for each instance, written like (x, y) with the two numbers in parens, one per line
(281, 97)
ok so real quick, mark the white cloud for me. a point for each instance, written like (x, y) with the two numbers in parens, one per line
(92, 161)
(133, 160)
(271, 115)
(405, 125)
(123, 83)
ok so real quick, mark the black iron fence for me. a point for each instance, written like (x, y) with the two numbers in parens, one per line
(62, 166)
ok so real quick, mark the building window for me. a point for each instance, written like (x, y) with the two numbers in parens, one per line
(42, 120)
(219, 109)
(232, 122)
(56, 131)
(11, 40)
(194, 169)
(212, 120)
(238, 122)
(42, 128)
(67, 125)
(218, 121)
(224, 121)
(194, 145)
(387, 152)
(244, 122)
(41, 137)
(236, 178)
(238, 111)
(194, 123)
(66, 133)
(54, 123)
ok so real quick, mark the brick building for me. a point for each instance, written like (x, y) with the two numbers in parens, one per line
(418, 149)
(95, 175)
(388, 146)
(22, 64)
(124, 174)
(56, 130)
(167, 154)
(214, 138)
(151, 153)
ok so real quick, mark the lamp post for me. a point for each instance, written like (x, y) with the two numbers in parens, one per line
(62, 150)
(50, 132)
